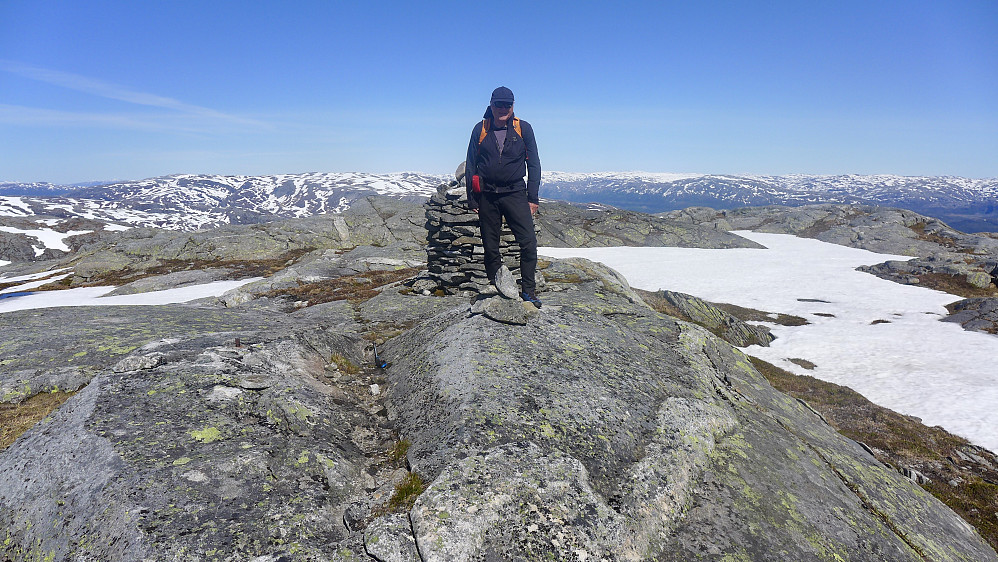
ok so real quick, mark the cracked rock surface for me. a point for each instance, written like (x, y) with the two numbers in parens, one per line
(602, 430)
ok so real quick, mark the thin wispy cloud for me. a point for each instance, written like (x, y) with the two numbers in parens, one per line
(27, 116)
(108, 90)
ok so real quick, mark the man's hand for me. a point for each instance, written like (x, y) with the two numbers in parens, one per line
(476, 210)
(533, 208)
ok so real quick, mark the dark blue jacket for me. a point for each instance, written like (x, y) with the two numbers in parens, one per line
(501, 174)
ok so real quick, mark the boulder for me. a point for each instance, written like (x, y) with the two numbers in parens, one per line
(502, 309)
(604, 430)
(979, 314)
(724, 325)
(210, 450)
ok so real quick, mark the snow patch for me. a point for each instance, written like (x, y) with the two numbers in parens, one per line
(912, 363)
(48, 238)
(93, 296)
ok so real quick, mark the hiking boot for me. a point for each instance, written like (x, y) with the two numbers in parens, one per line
(531, 298)
(505, 283)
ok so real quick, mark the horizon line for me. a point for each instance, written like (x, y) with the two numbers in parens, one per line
(679, 175)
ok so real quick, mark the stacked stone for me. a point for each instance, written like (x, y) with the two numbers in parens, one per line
(454, 254)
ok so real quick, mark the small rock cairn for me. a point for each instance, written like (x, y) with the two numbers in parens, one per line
(455, 257)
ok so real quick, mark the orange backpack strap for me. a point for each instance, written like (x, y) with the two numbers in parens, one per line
(486, 125)
(485, 130)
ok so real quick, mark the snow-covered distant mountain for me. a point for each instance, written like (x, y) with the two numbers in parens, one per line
(34, 189)
(966, 204)
(192, 201)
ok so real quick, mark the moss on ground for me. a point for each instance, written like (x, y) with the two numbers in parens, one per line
(15, 419)
(397, 454)
(404, 496)
(970, 490)
(343, 364)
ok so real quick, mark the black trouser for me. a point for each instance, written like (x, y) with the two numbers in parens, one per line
(512, 205)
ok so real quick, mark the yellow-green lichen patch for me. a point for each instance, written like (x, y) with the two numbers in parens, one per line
(181, 461)
(112, 349)
(547, 430)
(207, 435)
(737, 444)
(751, 495)
(899, 441)
(300, 411)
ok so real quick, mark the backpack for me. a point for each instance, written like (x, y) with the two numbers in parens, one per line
(487, 124)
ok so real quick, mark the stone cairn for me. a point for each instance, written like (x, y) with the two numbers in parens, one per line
(455, 258)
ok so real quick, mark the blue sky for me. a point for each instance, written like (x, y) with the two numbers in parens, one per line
(126, 89)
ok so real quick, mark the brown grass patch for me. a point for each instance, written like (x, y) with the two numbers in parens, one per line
(354, 288)
(919, 229)
(404, 496)
(15, 419)
(803, 363)
(826, 224)
(238, 269)
(955, 285)
(658, 303)
(343, 364)
(753, 315)
(380, 332)
(4, 286)
(902, 441)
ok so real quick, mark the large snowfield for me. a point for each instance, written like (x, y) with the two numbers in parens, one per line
(882, 339)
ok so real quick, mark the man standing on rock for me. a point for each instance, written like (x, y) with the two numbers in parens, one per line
(501, 152)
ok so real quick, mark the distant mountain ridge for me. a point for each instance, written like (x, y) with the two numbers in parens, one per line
(191, 201)
(34, 189)
(194, 201)
(966, 204)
